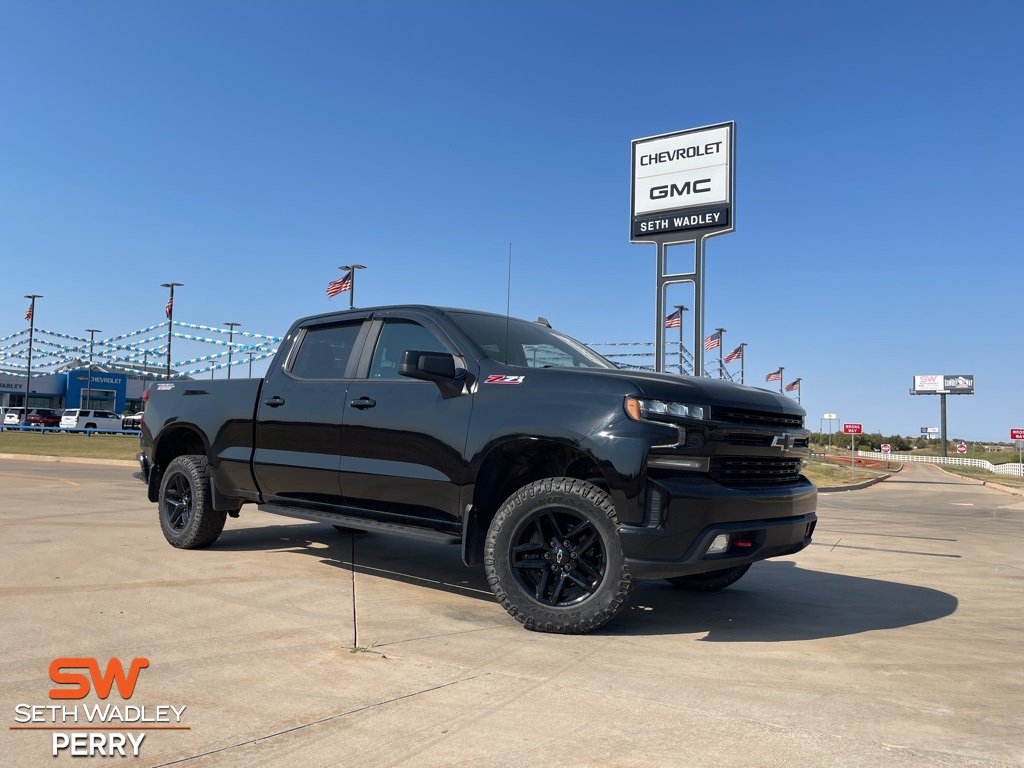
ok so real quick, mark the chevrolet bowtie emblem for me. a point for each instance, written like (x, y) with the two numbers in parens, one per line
(784, 441)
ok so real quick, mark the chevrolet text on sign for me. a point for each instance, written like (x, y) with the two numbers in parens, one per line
(683, 181)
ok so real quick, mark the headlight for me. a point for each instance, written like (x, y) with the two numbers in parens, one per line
(660, 410)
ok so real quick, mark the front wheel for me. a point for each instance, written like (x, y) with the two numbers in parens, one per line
(187, 516)
(712, 581)
(553, 557)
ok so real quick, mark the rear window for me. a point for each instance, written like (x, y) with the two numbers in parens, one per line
(72, 412)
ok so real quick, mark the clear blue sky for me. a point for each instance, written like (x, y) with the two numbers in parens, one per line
(247, 149)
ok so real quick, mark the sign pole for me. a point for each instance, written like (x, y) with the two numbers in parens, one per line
(942, 405)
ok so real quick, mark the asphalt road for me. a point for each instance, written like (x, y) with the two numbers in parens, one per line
(894, 640)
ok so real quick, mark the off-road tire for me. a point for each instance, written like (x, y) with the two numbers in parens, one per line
(553, 557)
(187, 516)
(712, 581)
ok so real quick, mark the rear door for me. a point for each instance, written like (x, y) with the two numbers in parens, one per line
(402, 457)
(299, 415)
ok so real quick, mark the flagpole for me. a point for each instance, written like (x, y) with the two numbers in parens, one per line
(352, 284)
(681, 309)
(781, 379)
(31, 333)
(170, 322)
(743, 358)
(721, 350)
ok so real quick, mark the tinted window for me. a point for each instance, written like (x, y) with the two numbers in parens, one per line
(325, 351)
(396, 337)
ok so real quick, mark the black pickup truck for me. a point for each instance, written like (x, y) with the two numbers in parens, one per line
(563, 475)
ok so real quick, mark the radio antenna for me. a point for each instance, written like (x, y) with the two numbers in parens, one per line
(508, 301)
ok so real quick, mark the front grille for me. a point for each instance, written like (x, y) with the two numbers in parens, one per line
(748, 438)
(756, 418)
(748, 470)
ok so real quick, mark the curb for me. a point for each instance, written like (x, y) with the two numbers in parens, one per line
(855, 487)
(70, 460)
(986, 483)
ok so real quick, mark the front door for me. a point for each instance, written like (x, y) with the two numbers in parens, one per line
(402, 457)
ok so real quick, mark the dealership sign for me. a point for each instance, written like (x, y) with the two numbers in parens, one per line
(945, 384)
(683, 184)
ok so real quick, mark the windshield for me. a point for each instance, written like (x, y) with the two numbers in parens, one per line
(529, 345)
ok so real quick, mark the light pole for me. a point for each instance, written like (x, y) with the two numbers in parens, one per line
(31, 332)
(352, 287)
(169, 311)
(88, 382)
(231, 339)
(681, 309)
(250, 354)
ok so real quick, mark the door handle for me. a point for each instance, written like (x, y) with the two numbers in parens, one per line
(363, 403)
(275, 401)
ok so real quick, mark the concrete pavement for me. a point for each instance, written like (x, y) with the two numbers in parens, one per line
(894, 640)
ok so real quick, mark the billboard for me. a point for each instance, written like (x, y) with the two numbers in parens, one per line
(682, 182)
(943, 384)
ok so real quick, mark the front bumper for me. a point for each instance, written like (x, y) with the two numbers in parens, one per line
(683, 516)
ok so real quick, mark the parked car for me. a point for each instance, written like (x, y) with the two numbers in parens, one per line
(43, 417)
(80, 418)
(37, 417)
(131, 421)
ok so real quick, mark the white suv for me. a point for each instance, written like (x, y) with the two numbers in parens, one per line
(79, 418)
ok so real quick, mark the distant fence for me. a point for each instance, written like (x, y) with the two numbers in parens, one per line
(1014, 469)
(73, 430)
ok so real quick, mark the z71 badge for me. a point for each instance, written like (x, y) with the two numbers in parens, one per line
(496, 379)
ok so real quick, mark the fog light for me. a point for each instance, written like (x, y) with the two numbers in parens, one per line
(719, 545)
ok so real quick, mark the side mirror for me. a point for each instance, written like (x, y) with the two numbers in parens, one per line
(428, 366)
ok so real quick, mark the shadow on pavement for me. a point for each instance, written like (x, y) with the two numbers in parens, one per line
(776, 601)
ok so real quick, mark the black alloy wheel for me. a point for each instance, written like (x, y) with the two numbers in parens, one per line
(177, 502)
(557, 555)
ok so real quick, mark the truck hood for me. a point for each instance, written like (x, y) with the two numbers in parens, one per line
(698, 391)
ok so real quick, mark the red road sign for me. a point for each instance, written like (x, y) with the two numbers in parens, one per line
(961, 448)
(886, 448)
(853, 429)
(1017, 434)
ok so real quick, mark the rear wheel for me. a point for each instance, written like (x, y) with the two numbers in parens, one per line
(553, 557)
(187, 517)
(712, 581)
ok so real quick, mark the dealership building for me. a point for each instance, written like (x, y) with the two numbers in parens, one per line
(106, 389)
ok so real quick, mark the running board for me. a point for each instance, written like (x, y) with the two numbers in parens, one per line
(362, 524)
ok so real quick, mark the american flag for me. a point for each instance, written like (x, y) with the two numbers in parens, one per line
(777, 376)
(736, 354)
(340, 285)
(675, 320)
(169, 307)
(28, 313)
(793, 386)
(712, 341)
